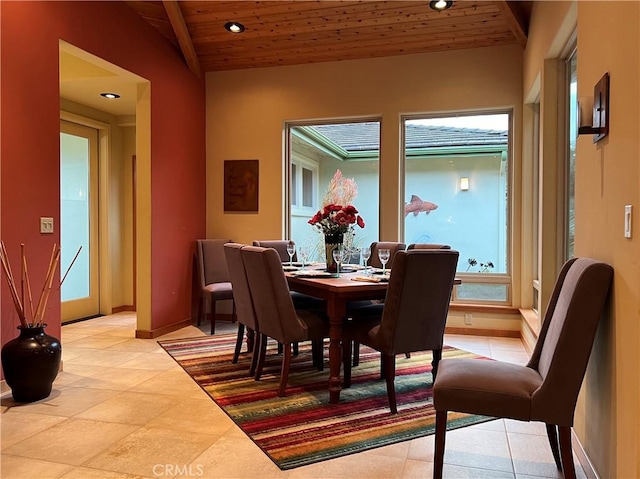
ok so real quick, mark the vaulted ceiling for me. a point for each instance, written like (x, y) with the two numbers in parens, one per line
(298, 32)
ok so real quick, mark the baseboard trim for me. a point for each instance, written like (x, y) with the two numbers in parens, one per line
(120, 309)
(587, 466)
(154, 333)
(501, 333)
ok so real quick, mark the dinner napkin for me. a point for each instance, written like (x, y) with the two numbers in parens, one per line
(369, 279)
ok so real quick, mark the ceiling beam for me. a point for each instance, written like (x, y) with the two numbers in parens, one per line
(182, 34)
(515, 20)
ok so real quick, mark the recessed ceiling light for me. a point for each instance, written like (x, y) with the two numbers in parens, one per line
(234, 27)
(111, 96)
(440, 5)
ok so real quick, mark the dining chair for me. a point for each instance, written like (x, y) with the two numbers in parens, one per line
(300, 301)
(413, 317)
(547, 388)
(354, 308)
(275, 312)
(214, 278)
(428, 246)
(244, 306)
(393, 248)
(280, 246)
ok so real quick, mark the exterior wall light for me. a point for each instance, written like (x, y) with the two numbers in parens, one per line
(464, 183)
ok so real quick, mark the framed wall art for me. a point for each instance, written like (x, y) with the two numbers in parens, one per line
(241, 179)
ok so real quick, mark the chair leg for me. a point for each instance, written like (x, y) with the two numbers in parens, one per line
(346, 361)
(390, 374)
(317, 354)
(251, 337)
(213, 317)
(200, 311)
(437, 356)
(438, 454)
(552, 434)
(566, 454)
(296, 349)
(262, 351)
(239, 338)
(356, 354)
(255, 353)
(284, 373)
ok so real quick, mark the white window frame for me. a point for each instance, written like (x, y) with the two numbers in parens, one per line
(301, 162)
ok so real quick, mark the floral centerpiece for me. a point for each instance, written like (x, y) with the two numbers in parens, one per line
(337, 215)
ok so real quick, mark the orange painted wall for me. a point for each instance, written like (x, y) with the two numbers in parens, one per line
(29, 148)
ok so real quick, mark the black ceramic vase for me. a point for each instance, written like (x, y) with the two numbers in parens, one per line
(30, 363)
(331, 242)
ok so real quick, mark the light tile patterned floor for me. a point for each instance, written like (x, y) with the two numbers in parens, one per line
(122, 408)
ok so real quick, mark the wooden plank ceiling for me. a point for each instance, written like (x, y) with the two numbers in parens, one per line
(297, 32)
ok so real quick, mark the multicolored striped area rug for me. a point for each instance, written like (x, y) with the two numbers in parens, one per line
(303, 428)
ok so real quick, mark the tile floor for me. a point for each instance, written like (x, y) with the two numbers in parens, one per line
(122, 408)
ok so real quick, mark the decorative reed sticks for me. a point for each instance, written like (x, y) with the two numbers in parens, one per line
(34, 319)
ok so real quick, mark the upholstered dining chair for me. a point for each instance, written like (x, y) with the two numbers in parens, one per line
(354, 308)
(214, 278)
(300, 301)
(428, 246)
(413, 317)
(244, 306)
(280, 246)
(547, 388)
(393, 248)
(275, 312)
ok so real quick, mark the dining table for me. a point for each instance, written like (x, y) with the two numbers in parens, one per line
(337, 291)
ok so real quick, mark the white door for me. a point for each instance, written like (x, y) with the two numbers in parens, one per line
(79, 221)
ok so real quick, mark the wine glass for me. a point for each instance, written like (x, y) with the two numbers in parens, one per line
(291, 250)
(366, 254)
(303, 252)
(338, 257)
(384, 255)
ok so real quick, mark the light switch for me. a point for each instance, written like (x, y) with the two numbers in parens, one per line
(46, 225)
(627, 221)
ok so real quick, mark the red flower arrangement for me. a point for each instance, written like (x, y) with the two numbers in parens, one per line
(336, 219)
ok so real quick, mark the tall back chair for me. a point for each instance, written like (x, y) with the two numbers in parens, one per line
(547, 388)
(214, 278)
(414, 313)
(244, 307)
(428, 246)
(276, 315)
(280, 246)
(393, 248)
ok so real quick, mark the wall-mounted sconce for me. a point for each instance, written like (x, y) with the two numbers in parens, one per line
(464, 183)
(594, 120)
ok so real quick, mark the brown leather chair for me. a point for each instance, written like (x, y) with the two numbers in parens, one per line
(277, 317)
(546, 389)
(244, 307)
(214, 278)
(428, 246)
(393, 248)
(280, 246)
(414, 314)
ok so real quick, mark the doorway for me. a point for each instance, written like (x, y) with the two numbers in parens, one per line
(80, 291)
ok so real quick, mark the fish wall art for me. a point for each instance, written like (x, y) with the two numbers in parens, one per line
(417, 206)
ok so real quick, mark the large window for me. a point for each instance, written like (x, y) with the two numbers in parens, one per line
(456, 188)
(315, 152)
(572, 108)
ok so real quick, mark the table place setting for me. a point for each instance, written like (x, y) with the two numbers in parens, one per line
(371, 279)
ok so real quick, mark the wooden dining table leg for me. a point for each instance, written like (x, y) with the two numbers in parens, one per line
(336, 310)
